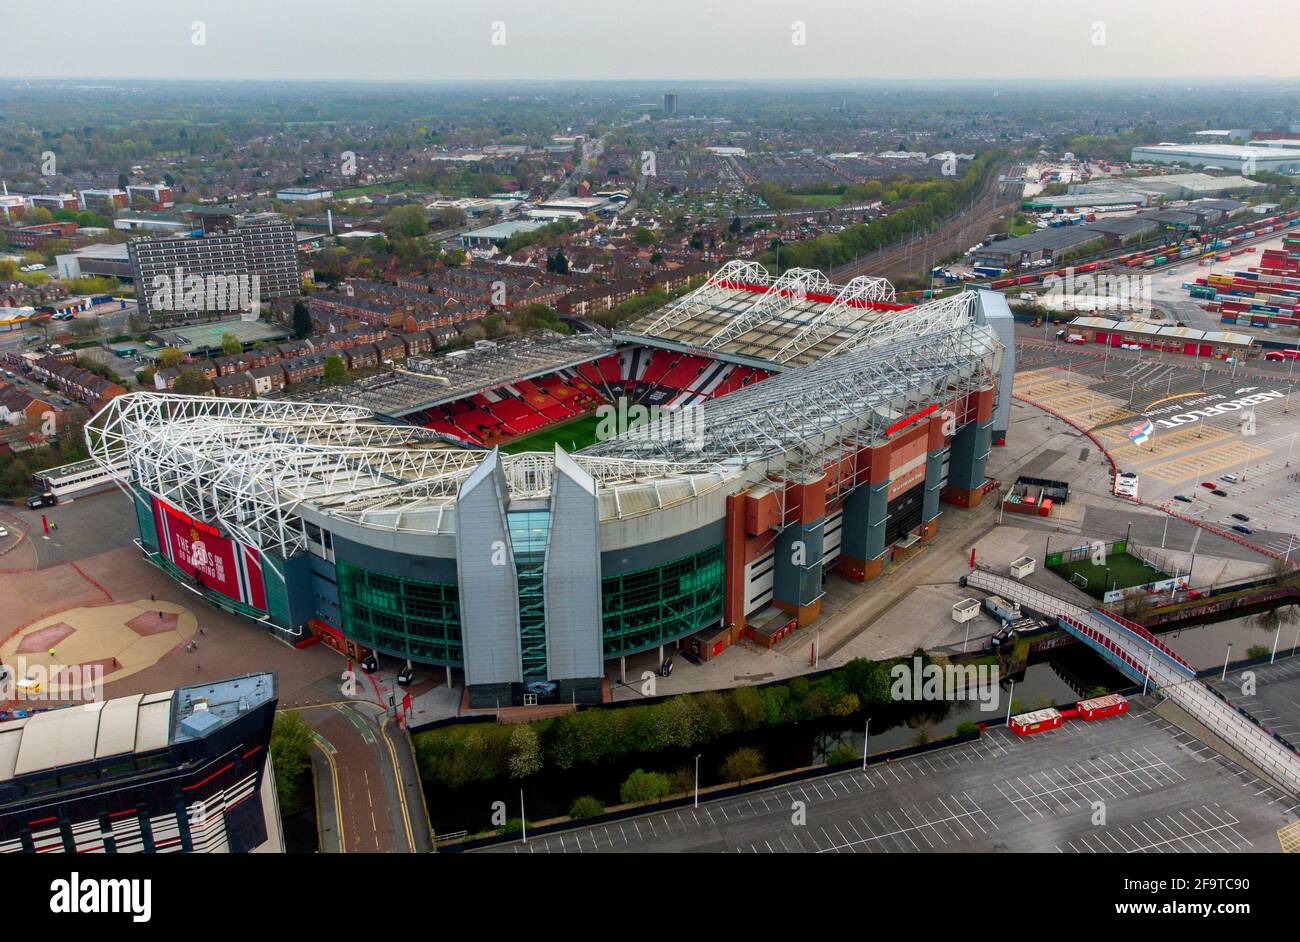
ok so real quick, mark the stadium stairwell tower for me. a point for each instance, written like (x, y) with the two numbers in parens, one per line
(529, 577)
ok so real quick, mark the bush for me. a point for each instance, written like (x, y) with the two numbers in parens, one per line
(967, 727)
(842, 755)
(643, 786)
(586, 807)
(744, 763)
(1258, 650)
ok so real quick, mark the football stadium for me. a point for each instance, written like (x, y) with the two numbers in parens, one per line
(530, 514)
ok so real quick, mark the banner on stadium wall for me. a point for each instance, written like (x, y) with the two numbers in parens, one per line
(212, 560)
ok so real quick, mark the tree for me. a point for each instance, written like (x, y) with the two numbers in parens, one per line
(291, 742)
(84, 328)
(37, 216)
(301, 319)
(137, 323)
(406, 221)
(192, 383)
(644, 786)
(336, 373)
(643, 237)
(558, 263)
(525, 752)
(745, 763)
(169, 357)
(230, 345)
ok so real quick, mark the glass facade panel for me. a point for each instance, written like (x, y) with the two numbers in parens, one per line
(529, 530)
(409, 616)
(651, 606)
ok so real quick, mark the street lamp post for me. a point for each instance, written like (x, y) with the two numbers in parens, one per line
(866, 740)
(1225, 662)
(697, 781)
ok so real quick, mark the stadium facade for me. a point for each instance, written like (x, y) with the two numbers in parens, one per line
(812, 428)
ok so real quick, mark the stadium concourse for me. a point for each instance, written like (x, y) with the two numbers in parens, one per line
(798, 428)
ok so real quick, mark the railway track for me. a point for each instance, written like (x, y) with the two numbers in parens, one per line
(955, 235)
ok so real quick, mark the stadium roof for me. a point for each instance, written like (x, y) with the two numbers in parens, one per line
(742, 312)
(431, 381)
(254, 465)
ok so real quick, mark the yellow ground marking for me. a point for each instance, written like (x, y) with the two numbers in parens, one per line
(1289, 838)
(1050, 389)
(1204, 464)
(1096, 413)
(1166, 444)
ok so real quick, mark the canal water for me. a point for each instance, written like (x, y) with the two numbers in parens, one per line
(1206, 645)
(1061, 676)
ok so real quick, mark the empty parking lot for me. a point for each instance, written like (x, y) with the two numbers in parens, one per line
(1150, 788)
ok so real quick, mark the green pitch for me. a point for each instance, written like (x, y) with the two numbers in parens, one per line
(572, 435)
(1120, 572)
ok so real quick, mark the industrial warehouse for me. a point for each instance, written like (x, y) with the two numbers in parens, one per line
(795, 428)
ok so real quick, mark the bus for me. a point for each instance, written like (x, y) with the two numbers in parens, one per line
(80, 477)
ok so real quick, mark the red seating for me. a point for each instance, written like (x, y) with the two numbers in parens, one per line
(523, 406)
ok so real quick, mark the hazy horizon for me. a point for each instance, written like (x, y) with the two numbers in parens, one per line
(668, 41)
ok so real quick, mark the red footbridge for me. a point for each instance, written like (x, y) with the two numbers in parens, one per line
(1143, 658)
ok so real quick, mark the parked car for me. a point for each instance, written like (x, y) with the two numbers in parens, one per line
(405, 676)
(1209, 485)
(1218, 493)
(1229, 478)
(1242, 517)
(1242, 528)
(369, 664)
(1183, 497)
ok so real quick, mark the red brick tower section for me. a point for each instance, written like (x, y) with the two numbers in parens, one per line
(935, 443)
(797, 574)
(862, 542)
(970, 448)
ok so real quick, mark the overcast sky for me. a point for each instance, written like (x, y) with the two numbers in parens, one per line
(650, 39)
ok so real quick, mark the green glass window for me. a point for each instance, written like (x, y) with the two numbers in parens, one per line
(651, 606)
(409, 616)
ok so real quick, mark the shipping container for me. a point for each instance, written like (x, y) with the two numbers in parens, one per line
(1113, 704)
(1026, 724)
